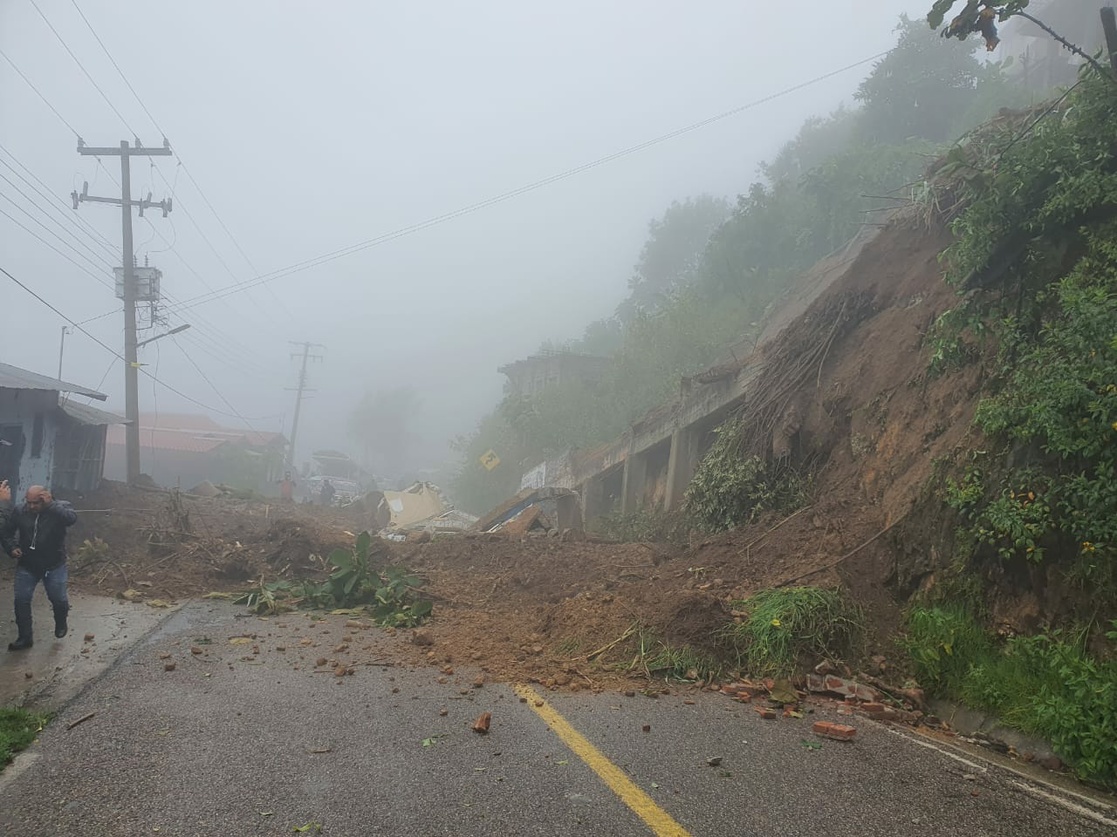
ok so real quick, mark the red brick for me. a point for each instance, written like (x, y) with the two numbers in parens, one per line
(766, 713)
(839, 732)
(872, 708)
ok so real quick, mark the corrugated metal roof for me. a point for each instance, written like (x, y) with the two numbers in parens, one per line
(84, 414)
(12, 377)
(153, 438)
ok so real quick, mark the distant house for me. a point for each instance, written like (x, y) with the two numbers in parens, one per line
(1037, 58)
(181, 450)
(549, 368)
(47, 439)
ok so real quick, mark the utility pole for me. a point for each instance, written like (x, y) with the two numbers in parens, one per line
(300, 390)
(1109, 26)
(131, 384)
(61, 349)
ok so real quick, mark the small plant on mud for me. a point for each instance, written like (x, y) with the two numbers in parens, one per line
(392, 595)
(656, 658)
(789, 627)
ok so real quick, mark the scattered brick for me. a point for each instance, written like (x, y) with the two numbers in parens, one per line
(839, 732)
(766, 713)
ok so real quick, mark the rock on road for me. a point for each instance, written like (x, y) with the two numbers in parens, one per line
(247, 734)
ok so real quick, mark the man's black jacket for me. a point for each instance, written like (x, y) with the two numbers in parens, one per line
(40, 535)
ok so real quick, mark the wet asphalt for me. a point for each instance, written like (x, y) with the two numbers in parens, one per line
(250, 737)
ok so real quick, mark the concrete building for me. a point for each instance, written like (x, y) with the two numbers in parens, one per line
(534, 374)
(46, 438)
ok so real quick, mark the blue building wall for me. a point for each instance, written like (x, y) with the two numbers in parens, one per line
(36, 414)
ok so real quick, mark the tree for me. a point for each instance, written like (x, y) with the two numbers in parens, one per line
(919, 90)
(818, 139)
(670, 257)
(976, 16)
(382, 421)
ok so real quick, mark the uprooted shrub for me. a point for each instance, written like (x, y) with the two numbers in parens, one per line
(391, 595)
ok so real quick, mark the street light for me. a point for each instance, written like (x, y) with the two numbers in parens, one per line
(174, 330)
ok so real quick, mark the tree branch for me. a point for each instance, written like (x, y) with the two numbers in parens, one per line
(1066, 44)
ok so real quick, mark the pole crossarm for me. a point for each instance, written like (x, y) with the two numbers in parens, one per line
(131, 389)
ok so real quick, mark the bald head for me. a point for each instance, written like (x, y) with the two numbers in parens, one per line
(38, 497)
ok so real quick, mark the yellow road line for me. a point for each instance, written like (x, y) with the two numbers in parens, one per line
(659, 821)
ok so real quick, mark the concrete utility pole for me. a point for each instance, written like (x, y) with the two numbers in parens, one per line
(125, 202)
(300, 390)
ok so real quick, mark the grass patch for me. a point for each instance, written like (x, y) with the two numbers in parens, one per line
(18, 729)
(789, 628)
(1047, 685)
(673, 662)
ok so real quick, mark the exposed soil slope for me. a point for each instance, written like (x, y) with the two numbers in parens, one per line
(872, 425)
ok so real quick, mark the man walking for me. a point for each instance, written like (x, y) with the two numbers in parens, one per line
(35, 535)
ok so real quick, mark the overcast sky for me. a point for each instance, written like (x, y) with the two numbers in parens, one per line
(312, 127)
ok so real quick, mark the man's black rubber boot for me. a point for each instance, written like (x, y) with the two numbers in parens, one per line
(60, 627)
(23, 624)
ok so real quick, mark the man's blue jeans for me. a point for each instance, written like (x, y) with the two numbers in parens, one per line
(54, 582)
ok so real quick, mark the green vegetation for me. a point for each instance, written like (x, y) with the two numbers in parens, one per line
(643, 526)
(18, 729)
(655, 658)
(730, 489)
(1036, 259)
(788, 628)
(709, 274)
(390, 595)
(1047, 685)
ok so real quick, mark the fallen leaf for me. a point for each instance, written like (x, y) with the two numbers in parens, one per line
(217, 595)
(240, 640)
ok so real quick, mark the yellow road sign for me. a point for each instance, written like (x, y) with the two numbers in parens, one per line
(489, 459)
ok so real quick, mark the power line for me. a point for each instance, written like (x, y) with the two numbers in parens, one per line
(181, 163)
(114, 352)
(93, 254)
(81, 66)
(514, 193)
(92, 230)
(213, 386)
(97, 37)
(36, 236)
(40, 95)
(61, 207)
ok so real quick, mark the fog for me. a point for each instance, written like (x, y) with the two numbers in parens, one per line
(314, 127)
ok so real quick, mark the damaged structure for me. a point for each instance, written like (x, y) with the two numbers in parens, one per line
(45, 437)
(652, 463)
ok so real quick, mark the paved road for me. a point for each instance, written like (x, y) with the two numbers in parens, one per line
(247, 739)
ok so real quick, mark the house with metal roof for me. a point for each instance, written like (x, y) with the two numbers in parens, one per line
(182, 450)
(47, 438)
